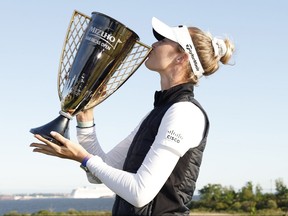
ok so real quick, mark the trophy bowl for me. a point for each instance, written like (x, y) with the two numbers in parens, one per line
(98, 56)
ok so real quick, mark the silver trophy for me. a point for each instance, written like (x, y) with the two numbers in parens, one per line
(98, 56)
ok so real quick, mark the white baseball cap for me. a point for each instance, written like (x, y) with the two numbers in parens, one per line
(180, 35)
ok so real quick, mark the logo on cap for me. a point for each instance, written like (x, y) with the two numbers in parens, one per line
(189, 48)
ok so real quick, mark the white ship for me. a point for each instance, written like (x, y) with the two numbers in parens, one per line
(99, 191)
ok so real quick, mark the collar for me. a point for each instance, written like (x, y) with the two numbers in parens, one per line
(173, 93)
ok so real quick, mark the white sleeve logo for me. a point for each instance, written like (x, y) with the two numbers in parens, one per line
(173, 136)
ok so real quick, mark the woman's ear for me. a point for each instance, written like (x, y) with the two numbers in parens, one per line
(185, 57)
(182, 58)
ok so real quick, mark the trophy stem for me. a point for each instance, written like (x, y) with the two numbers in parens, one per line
(59, 125)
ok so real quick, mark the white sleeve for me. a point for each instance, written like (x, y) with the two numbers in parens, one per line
(115, 157)
(181, 128)
(88, 139)
(183, 121)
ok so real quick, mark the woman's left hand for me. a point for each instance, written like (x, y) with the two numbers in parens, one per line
(68, 149)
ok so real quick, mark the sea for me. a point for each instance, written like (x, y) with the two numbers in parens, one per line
(55, 205)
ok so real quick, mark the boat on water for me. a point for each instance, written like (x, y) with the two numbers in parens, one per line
(100, 191)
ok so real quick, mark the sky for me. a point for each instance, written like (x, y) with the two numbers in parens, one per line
(246, 102)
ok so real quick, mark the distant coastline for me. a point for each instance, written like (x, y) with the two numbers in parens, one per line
(99, 191)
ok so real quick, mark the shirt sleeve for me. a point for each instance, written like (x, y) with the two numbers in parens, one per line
(115, 157)
(181, 128)
(141, 187)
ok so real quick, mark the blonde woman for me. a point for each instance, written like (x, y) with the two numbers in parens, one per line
(154, 170)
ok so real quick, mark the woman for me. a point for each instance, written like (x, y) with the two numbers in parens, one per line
(154, 170)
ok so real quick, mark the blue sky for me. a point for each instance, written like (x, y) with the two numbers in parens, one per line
(247, 102)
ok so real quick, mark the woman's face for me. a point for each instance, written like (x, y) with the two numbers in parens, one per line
(163, 55)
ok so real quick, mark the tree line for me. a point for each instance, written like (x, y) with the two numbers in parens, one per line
(250, 198)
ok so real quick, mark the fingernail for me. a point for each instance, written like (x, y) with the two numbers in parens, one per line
(53, 133)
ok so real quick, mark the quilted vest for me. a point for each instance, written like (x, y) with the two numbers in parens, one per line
(177, 192)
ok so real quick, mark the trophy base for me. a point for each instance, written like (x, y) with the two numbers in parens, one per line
(59, 125)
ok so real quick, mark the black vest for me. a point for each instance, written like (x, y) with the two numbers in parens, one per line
(177, 192)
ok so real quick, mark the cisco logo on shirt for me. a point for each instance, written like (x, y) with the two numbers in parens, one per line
(173, 136)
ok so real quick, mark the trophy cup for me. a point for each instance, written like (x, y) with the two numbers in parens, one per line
(98, 56)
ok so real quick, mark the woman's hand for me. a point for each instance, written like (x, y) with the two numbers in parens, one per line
(68, 149)
(85, 116)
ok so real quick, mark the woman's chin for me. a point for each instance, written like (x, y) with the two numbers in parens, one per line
(148, 64)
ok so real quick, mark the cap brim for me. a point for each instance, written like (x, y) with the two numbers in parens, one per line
(161, 30)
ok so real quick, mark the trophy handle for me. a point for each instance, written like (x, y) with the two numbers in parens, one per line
(75, 31)
(124, 71)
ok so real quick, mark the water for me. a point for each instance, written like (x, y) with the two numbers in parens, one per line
(55, 205)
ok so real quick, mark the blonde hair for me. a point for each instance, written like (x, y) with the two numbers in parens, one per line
(204, 48)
